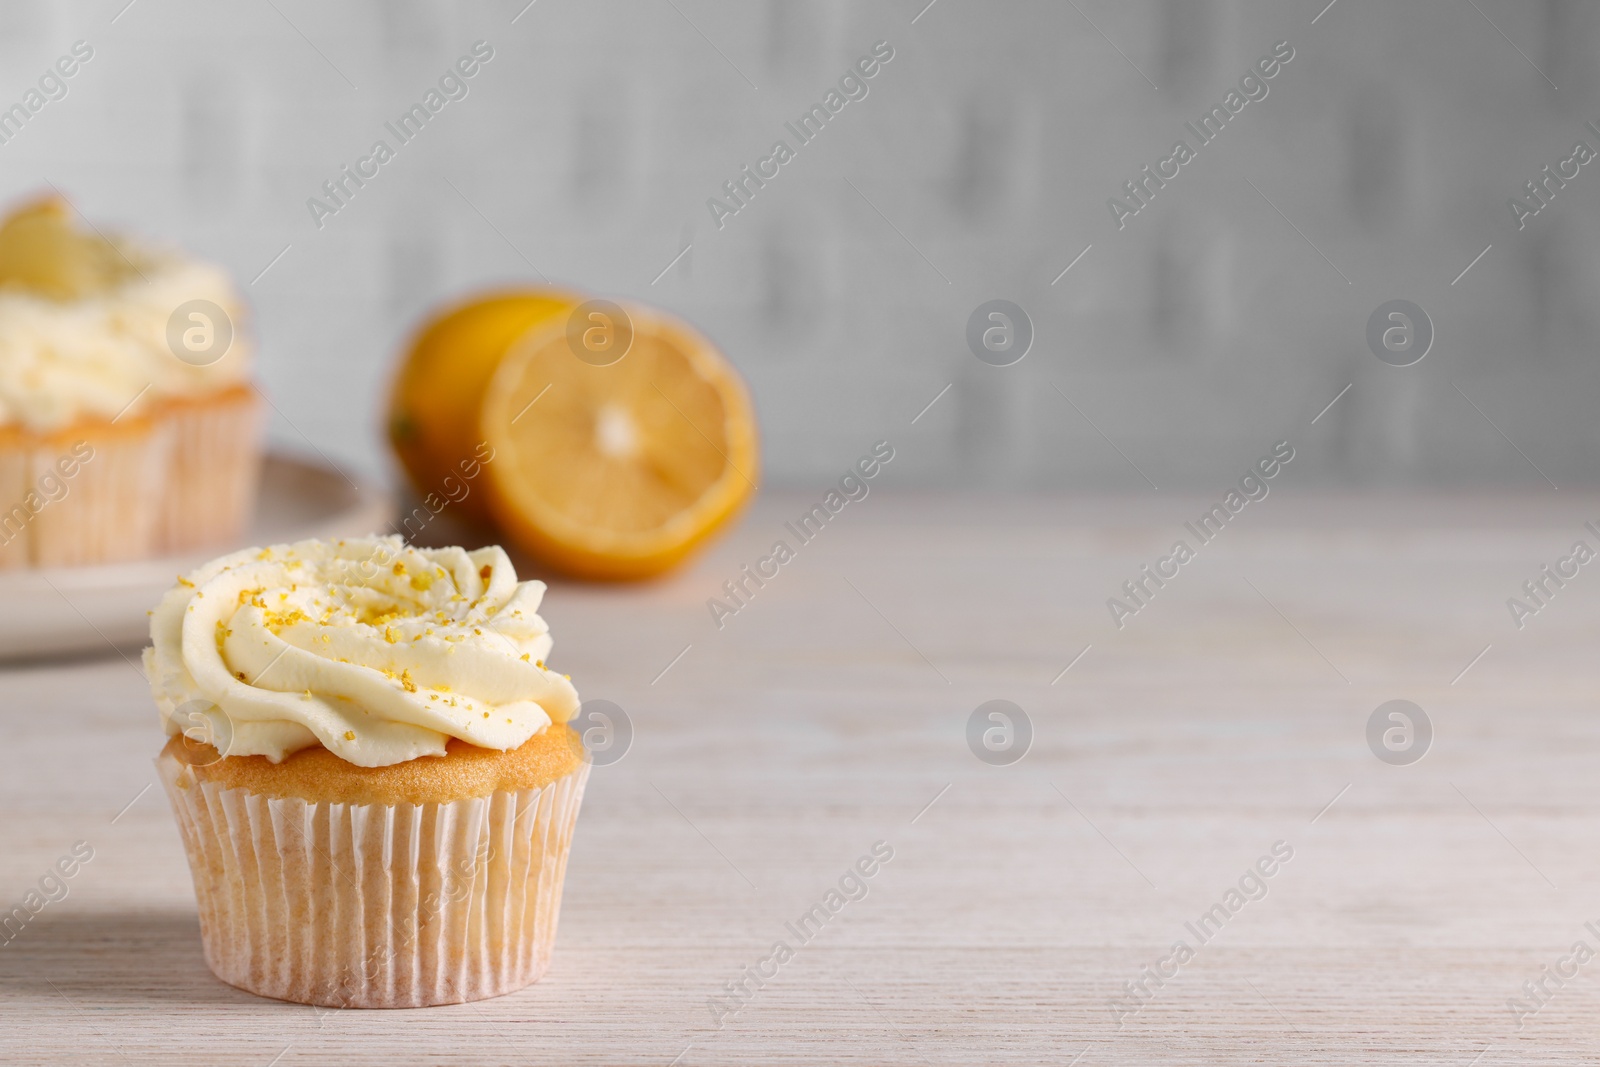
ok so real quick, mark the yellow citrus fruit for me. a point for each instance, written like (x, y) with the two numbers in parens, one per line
(618, 470)
(439, 389)
(43, 251)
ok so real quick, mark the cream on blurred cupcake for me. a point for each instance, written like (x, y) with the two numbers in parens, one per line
(128, 424)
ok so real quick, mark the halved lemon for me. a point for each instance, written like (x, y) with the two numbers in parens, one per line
(619, 470)
(438, 392)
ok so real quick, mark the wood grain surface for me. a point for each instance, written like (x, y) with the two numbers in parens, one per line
(831, 713)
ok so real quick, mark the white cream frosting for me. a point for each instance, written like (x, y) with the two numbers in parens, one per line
(90, 357)
(378, 651)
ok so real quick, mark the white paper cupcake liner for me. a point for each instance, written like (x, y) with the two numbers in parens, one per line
(216, 462)
(375, 906)
(110, 508)
(15, 469)
(180, 479)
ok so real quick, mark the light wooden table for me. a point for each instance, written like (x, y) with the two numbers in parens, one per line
(831, 713)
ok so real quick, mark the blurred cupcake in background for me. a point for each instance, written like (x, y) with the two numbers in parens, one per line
(128, 424)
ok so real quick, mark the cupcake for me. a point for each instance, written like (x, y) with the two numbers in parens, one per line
(128, 425)
(371, 769)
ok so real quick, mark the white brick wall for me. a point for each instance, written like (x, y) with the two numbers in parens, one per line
(1193, 338)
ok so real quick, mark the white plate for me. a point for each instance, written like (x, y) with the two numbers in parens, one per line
(73, 609)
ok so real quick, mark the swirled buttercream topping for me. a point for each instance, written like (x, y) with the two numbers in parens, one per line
(378, 651)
